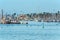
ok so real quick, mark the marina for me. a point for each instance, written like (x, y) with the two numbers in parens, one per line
(29, 19)
(34, 26)
(24, 18)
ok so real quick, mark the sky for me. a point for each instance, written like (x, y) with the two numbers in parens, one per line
(29, 6)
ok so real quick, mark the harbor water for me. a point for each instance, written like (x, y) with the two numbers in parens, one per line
(31, 31)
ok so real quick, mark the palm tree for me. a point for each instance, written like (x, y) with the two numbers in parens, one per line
(13, 16)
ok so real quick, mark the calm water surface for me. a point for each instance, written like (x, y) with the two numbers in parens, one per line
(31, 31)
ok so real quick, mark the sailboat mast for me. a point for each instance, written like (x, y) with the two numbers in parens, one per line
(2, 13)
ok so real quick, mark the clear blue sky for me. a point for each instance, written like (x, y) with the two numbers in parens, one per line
(28, 6)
